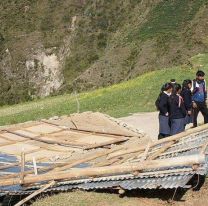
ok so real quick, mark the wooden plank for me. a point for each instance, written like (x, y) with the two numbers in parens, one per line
(115, 141)
(90, 131)
(109, 170)
(161, 150)
(11, 143)
(6, 138)
(42, 140)
(50, 184)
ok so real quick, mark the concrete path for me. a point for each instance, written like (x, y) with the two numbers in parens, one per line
(148, 122)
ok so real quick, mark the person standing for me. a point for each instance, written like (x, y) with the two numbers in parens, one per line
(199, 96)
(187, 97)
(173, 83)
(177, 111)
(163, 107)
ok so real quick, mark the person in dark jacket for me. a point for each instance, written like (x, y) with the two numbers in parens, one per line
(199, 96)
(177, 111)
(173, 83)
(163, 106)
(187, 97)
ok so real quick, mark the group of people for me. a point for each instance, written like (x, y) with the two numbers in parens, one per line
(180, 105)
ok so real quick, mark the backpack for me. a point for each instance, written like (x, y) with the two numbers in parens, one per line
(194, 86)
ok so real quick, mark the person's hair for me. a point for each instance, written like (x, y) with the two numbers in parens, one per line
(167, 86)
(177, 87)
(185, 83)
(200, 73)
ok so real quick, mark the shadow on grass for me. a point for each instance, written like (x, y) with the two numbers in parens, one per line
(167, 195)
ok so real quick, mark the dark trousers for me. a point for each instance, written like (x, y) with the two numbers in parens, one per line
(201, 107)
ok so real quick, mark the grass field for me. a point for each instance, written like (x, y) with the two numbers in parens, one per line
(137, 95)
(135, 197)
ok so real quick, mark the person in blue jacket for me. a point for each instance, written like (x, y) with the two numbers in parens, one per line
(187, 97)
(199, 96)
(177, 111)
(163, 107)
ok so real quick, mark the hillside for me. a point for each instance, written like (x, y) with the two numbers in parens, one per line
(57, 46)
(137, 95)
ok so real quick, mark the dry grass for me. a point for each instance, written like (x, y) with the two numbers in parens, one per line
(135, 197)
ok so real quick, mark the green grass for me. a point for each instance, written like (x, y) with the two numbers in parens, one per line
(137, 95)
(135, 197)
(169, 16)
(80, 198)
(105, 31)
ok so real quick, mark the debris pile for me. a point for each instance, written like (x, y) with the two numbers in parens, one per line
(94, 151)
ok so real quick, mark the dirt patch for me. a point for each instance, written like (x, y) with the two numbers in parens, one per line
(149, 123)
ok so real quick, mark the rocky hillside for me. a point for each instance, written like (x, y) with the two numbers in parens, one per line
(55, 46)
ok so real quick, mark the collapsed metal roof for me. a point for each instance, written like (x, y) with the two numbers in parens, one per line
(135, 164)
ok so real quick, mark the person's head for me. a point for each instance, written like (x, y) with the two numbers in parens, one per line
(177, 88)
(187, 84)
(172, 81)
(168, 87)
(200, 75)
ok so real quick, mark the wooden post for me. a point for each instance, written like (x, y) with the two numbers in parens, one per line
(35, 166)
(22, 166)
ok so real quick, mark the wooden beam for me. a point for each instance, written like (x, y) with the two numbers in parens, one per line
(144, 156)
(126, 151)
(176, 137)
(109, 170)
(182, 149)
(106, 163)
(114, 141)
(161, 150)
(50, 184)
(192, 131)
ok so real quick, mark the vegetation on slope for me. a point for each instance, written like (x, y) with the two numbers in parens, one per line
(137, 95)
(113, 40)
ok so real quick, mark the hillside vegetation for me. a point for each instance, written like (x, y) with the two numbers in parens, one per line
(58, 46)
(137, 95)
